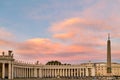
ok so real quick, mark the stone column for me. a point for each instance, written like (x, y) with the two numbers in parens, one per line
(16, 72)
(77, 72)
(93, 71)
(55, 73)
(44, 72)
(74, 72)
(83, 72)
(66, 72)
(69, 72)
(59, 72)
(86, 71)
(9, 71)
(30, 72)
(40, 73)
(63, 72)
(12, 71)
(50, 73)
(23, 72)
(20, 72)
(3, 70)
(26, 72)
(35, 72)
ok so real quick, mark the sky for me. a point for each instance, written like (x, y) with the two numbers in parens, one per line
(70, 31)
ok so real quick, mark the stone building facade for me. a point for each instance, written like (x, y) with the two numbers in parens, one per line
(101, 68)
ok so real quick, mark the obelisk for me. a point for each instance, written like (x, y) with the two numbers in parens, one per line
(109, 71)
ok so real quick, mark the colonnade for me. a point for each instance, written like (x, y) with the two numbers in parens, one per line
(10, 69)
(13, 70)
(50, 72)
(27, 72)
(66, 72)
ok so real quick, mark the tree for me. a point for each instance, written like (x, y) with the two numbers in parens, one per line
(53, 63)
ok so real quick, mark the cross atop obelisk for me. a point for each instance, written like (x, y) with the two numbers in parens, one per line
(109, 71)
(108, 36)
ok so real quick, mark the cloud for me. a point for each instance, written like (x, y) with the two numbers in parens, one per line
(38, 45)
(107, 12)
(44, 50)
(6, 39)
(64, 36)
(5, 34)
(77, 30)
(2, 42)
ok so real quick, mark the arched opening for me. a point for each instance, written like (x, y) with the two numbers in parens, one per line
(6, 71)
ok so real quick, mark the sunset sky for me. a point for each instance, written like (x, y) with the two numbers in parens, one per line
(70, 31)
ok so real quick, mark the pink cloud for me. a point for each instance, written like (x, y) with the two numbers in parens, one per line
(77, 30)
(5, 34)
(46, 50)
(2, 42)
(64, 36)
(106, 12)
(39, 45)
